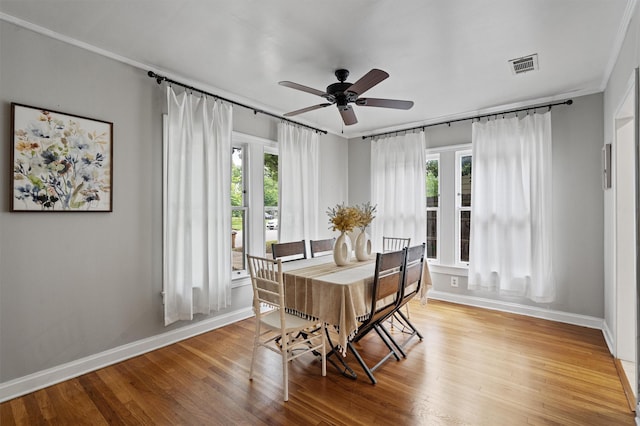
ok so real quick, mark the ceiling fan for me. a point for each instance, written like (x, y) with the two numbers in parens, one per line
(344, 93)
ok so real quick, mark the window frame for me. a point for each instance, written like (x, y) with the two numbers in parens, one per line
(431, 156)
(253, 196)
(459, 208)
(268, 149)
(242, 207)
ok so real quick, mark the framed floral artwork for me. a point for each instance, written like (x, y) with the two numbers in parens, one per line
(61, 162)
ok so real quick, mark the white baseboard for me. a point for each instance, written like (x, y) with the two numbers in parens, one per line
(42, 379)
(532, 311)
(608, 337)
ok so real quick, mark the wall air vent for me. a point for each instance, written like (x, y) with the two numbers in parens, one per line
(524, 64)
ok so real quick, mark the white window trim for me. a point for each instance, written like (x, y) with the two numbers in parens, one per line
(458, 206)
(436, 260)
(244, 205)
(254, 147)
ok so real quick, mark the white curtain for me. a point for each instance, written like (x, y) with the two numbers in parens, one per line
(398, 168)
(197, 212)
(298, 175)
(510, 242)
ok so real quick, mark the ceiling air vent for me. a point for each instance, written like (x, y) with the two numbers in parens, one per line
(524, 64)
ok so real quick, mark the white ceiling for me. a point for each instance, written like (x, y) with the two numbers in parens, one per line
(448, 56)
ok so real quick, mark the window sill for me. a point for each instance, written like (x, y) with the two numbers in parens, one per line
(462, 271)
(240, 280)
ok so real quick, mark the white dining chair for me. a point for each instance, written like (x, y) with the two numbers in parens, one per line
(283, 333)
(394, 243)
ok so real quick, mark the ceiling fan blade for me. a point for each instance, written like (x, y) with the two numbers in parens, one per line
(348, 116)
(367, 81)
(307, 109)
(307, 89)
(384, 103)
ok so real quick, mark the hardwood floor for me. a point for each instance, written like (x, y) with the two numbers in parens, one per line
(474, 367)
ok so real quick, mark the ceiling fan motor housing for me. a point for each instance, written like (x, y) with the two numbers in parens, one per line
(338, 92)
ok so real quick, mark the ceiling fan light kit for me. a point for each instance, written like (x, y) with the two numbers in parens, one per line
(343, 93)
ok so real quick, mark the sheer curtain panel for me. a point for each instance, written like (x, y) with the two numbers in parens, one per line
(298, 170)
(510, 242)
(196, 206)
(398, 168)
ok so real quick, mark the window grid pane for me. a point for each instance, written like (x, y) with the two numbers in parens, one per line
(237, 177)
(463, 206)
(465, 181)
(432, 234)
(465, 231)
(238, 211)
(432, 183)
(270, 179)
(238, 237)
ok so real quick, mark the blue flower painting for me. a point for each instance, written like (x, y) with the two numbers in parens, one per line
(61, 162)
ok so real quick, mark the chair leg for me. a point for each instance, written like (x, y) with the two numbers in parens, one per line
(345, 370)
(392, 351)
(285, 367)
(324, 351)
(361, 362)
(256, 338)
(399, 347)
(410, 324)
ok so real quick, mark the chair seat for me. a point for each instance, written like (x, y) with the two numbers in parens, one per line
(293, 323)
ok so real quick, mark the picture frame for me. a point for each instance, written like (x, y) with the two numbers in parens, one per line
(60, 162)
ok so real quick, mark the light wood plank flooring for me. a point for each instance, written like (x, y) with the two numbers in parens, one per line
(474, 367)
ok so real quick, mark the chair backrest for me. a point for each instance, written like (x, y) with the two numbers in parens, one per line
(289, 251)
(413, 270)
(387, 284)
(321, 247)
(394, 243)
(267, 283)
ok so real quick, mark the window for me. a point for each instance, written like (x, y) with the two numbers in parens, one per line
(254, 200)
(463, 206)
(238, 210)
(433, 206)
(448, 207)
(270, 184)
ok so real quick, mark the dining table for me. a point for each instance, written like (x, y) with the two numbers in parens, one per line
(339, 296)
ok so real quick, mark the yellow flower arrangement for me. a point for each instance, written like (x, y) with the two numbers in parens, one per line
(343, 218)
(365, 212)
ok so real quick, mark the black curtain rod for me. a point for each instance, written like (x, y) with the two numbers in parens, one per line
(160, 79)
(477, 117)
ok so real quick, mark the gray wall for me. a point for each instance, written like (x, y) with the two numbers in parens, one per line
(578, 205)
(74, 284)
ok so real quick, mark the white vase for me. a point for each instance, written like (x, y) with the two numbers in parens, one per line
(363, 246)
(342, 250)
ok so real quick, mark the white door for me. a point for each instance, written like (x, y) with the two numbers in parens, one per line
(625, 196)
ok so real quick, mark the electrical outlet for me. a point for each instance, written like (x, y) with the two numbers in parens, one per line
(454, 281)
